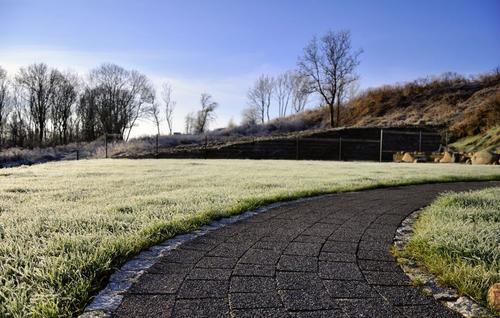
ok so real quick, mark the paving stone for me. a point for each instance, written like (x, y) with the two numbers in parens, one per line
(198, 246)
(431, 310)
(381, 266)
(403, 295)
(298, 280)
(349, 289)
(340, 271)
(210, 273)
(158, 284)
(337, 257)
(217, 262)
(262, 257)
(197, 308)
(270, 245)
(145, 306)
(369, 308)
(184, 256)
(329, 313)
(320, 229)
(376, 255)
(339, 247)
(375, 245)
(298, 263)
(229, 250)
(386, 278)
(254, 300)
(310, 239)
(246, 284)
(304, 249)
(164, 267)
(254, 270)
(260, 312)
(203, 289)
(300, 300)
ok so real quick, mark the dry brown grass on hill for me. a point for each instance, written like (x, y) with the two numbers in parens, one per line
(463, 106)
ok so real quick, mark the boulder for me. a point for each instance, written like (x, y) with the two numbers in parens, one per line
(484, 157)
(448, 157)
(494, 296)
(408, 157)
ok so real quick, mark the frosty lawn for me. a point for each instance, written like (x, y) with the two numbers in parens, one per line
(65, 226)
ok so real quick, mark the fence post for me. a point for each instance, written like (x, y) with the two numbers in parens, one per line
(446, 139)
(77, 155)
(297, 148)
(340, 148)
(157, 136)
(206, 145)
(419, 141)
(106, 144)
(381, 143)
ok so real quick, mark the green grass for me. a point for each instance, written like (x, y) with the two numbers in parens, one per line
(65, 226)
(489, 140)
(458, 239)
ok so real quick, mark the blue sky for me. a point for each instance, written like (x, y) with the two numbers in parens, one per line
(221, 46)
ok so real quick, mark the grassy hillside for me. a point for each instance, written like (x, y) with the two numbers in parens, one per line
(65, 226)
(488, 140)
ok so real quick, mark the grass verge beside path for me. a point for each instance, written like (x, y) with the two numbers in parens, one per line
(65, 226)
(458, 238)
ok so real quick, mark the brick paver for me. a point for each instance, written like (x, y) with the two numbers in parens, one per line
(327, 257)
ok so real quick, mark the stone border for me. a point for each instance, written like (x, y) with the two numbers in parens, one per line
(427, 282)
(109, 299)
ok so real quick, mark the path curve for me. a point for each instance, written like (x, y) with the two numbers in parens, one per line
(327, 257)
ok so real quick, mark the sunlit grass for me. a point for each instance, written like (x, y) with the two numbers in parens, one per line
(458, 238)
(65, 226)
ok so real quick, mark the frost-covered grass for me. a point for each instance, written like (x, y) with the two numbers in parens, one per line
(458, 239)
(65, 226)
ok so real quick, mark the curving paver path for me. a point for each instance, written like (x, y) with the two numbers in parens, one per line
(327, 257)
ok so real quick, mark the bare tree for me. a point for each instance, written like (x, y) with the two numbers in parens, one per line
(169, 105)
(4, 102)
(283, 92)
(119, 96)
(143, 93)
(62, 103)
(189, 123)
(38, 83)
(250, 116)
(259, 96)
(154, 114)
(206, 114)
(300, 92)
(329, 63)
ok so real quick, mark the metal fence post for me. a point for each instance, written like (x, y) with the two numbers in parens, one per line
(157, 136)
(381, 143)
(106, 144)
(206, 145)
(340, 148)
(297, 148)
(420, 141)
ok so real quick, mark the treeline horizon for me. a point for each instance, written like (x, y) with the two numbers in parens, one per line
(42, 106)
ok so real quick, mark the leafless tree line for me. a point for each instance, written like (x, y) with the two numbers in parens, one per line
(42, 106)
(326, 68)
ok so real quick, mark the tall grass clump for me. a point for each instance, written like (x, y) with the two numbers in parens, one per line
(458, 239)
(66, 226)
